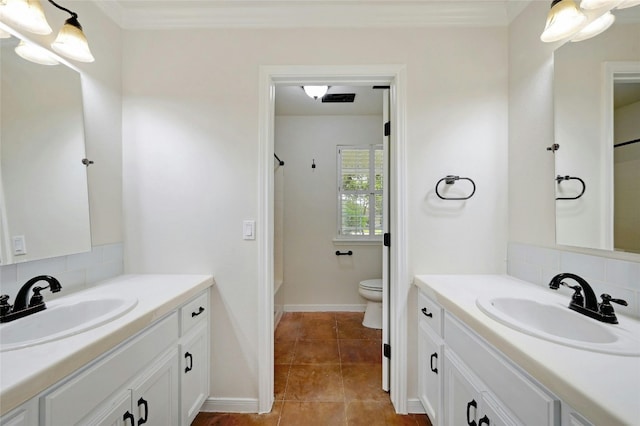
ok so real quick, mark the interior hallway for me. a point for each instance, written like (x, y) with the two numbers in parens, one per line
(328, 371)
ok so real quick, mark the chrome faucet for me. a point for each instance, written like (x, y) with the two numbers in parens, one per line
(587, 305)
(35, 304)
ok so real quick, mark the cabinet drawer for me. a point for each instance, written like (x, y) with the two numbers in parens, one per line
(76, 398)
(430, 313)
(531, 404)
(194, 312)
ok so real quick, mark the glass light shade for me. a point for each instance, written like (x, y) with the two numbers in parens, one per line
(596, 27)
(597, 4)
(315, 92)
(34, 53)
(563, 20)
(25, 14)
(628, 3)
(72, 43)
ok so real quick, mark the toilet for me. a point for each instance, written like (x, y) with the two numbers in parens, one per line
(372, 291)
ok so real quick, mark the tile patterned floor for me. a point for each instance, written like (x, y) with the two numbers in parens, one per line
(327, 373)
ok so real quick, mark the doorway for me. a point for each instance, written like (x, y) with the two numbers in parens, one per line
(392, 76)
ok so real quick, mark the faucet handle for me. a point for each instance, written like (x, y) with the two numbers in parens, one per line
(606, 298)
(606, 308)
(5, 307)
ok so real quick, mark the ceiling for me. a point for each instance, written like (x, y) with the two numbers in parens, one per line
(291, 100)
(163, 14)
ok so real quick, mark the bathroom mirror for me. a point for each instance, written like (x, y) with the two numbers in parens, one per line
(44, 206)
(595, 183)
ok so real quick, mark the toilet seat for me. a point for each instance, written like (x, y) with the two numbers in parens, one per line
(372, 285)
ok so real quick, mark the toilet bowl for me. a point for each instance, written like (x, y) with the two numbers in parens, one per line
(372, 291)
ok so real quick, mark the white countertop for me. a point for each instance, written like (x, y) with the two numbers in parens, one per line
(603, 388)
(24, 373)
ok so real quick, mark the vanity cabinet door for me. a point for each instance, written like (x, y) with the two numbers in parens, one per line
(194, 373)
(116, 412)
(155, 392)
(467, 400)
(430, 372)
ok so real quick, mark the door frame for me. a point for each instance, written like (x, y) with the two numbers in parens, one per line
(395, 77)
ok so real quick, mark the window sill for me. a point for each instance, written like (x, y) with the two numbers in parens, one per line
(356, 242)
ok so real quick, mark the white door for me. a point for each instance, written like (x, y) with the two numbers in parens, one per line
(385, 248)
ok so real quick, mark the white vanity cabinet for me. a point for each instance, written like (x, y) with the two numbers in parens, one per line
(157, 377)
(464, 381)
(468, 401)
(194, 357)
(430, 358)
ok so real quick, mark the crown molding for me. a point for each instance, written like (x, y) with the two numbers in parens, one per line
(166, 14)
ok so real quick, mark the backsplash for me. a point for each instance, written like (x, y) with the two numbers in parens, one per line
(619, 278)
(74, 272)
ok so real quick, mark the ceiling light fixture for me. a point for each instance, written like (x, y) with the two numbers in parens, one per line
(315, 92)
(564, 19)
(597, 4)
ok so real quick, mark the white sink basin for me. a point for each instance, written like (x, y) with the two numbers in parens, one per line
(62, 318)
(557, 323)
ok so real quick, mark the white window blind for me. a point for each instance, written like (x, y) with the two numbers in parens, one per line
(360, 180)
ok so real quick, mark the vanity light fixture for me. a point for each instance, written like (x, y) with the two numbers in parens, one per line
(29, 16)
(25, 14)
(596, 27)
(567, 21)
(628, 3)
(315, 92)
(563, 20)
(71, 41)
(35, 53)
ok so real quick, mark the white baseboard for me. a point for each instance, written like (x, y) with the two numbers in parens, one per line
(276, 317)
(325, 308)
(230, 405)
(414, 406)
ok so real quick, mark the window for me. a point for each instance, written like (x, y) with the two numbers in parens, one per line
(360, 184)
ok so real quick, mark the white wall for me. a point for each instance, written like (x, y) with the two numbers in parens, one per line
(190, 149)
(313, 274)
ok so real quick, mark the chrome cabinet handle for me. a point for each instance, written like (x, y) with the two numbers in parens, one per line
(129, 416)
(484, 420)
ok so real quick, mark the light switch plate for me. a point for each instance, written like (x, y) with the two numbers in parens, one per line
(19, 245)
(249, 230)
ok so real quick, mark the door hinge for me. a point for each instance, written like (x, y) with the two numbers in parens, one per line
(387, 128)
(386, 350)
(387, 239)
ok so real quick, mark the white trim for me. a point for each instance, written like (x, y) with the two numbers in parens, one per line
(348, 242)
(395, 76)
(611, 71)
(325, 308)
(414, 406)
(230, 405)
(316, 14)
